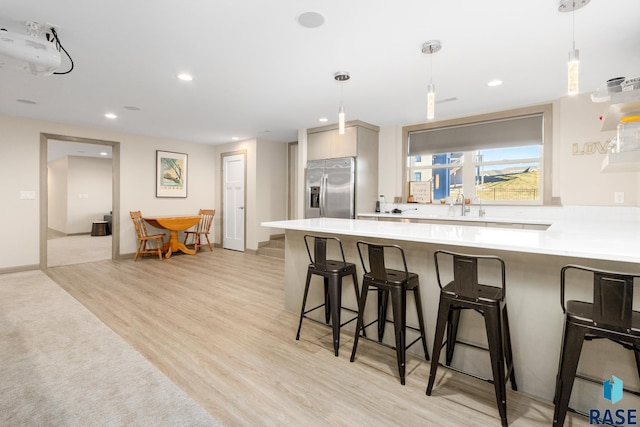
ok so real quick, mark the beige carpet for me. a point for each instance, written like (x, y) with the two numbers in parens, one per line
(61, 366)
(70, 250)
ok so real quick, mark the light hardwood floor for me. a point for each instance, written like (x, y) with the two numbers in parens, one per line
(214, 323)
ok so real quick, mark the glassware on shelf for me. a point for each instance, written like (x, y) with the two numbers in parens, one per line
(628, 138)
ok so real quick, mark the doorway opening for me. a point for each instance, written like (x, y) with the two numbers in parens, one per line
(79, 200)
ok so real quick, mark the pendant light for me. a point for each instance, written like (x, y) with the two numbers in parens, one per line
(341, 77)
(573, 65)
(429, 48)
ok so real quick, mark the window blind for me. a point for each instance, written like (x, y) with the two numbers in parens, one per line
(511, 132)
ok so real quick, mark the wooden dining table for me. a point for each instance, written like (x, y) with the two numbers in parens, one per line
(174, 224)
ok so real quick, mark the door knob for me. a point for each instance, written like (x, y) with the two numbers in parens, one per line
(241, 207)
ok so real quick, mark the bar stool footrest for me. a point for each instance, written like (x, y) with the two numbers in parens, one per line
(322, 322)
(599, 381)
(460, 371)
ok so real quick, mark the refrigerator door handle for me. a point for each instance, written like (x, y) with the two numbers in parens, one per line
(323, 193)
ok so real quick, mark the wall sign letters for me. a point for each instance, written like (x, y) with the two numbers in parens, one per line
(588, 148)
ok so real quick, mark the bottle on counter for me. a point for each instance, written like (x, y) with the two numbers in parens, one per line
(452, 209)
(379, 203)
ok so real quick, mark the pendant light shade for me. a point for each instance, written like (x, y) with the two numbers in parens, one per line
(341, 77)
(431, 101)
(429, 48)
(573, 66)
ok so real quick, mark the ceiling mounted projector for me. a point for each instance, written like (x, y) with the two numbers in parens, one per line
(36, 53)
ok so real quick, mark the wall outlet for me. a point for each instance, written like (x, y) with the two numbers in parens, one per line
(618, 197)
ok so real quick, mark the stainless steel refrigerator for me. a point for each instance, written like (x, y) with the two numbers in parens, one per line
(330, 188)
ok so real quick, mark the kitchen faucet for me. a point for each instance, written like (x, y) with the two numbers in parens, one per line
(481, 211)
(460, 198)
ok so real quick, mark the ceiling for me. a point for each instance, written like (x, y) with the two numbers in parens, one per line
(259, 74)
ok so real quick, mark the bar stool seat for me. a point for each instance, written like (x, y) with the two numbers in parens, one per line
(332, 272)
(465, 293)
(610, 316)
(394, 283)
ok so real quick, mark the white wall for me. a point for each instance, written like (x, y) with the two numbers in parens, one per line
(390, 179)
(579, 159)
(57, 185)
(89, 192)
(20, 150)
(271, 194)
(20, 146)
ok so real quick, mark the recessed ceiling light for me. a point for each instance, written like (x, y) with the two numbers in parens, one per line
(494, 83)
(235, 138)
(104, 153)
(26, 101)
(111, 116)
(310, 19)
(185, 77)
(323, 119)
(132, 108)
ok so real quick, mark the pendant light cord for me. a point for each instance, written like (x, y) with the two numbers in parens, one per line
(573, 35)
(431, 72)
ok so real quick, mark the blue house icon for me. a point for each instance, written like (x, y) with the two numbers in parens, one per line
(612, 389)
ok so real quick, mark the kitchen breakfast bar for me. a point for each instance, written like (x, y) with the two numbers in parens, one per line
(533, 258)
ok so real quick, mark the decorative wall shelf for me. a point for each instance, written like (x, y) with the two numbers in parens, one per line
(624, 161)
(622, 104)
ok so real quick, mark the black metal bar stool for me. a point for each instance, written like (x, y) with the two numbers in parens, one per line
(332, 272)
(395, 283)
(610, 316)
(463, 293)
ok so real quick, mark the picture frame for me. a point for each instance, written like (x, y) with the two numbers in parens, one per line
(171, 174)
(421, 191)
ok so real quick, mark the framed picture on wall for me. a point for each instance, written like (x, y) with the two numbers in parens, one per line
(171, 174)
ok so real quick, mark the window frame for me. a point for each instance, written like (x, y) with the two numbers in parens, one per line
(546, 161)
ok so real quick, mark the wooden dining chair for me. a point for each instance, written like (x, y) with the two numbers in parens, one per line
(202, 230)
(144, 238)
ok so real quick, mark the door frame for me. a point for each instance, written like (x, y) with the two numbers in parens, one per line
(44, 191)
(244, 211)
(292, 179)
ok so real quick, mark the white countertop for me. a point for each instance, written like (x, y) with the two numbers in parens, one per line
(603, 240)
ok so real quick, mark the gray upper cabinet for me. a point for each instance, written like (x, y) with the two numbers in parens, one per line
(330, 144)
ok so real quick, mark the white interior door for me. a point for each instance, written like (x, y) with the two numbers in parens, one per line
(233, 198)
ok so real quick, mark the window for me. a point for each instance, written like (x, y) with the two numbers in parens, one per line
(498, 160)
(508, 174)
